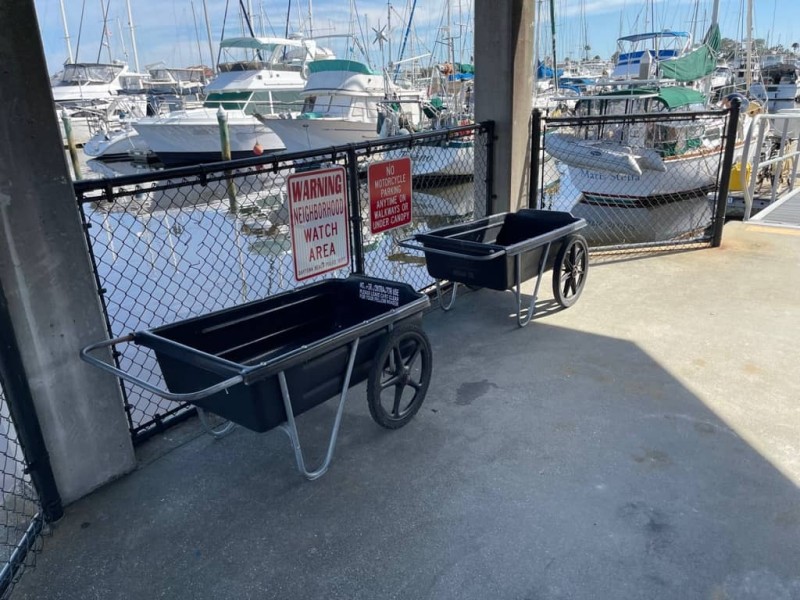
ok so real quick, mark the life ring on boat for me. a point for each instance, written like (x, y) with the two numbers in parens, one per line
(304, 71)
(446, 69)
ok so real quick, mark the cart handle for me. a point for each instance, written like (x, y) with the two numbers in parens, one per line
(186, 397)
(407, 243)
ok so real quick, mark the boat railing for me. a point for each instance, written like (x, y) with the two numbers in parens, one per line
(780, 162)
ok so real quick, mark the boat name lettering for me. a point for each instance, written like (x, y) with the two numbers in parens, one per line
(611, 176)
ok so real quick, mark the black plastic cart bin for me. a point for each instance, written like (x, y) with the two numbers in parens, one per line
(262, 364)
(501, 251)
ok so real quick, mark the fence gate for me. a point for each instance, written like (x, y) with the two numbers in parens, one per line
(641, 181)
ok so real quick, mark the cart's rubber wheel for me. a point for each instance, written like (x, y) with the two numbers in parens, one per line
(399, 377)
(570, 270)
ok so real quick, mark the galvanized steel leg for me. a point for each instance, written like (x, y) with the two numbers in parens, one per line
(449, 305)
(520, 321)
(290, 426)
(219, 432)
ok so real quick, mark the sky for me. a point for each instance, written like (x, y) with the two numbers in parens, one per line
(165, 30)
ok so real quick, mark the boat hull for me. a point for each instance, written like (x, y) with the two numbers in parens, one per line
(612, 225)
(655, 206)
(684, 177)
(190, 137)
(298, 135)
(115, 145)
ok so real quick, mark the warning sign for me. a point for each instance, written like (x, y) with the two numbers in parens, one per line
(318, 218)
(389, 194)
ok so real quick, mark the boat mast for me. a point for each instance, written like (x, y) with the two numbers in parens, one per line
(196, 33)
(208, 33)
(553, 33)
(104, 38)
(749, 61)
(536, 12)
(714, 20)
(132, 29)
(389, 26)
(70, 59)
(405, 39)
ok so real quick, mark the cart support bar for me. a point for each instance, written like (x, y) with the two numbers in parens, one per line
(185, 397)
(290, 427)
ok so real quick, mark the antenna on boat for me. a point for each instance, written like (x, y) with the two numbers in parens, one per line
(66, 33)
(132, 31)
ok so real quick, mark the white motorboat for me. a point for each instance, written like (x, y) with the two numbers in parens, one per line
(779, 87)
(268, 81)
(116, 144)
(188, 81)
(345, 101)
(96, 96)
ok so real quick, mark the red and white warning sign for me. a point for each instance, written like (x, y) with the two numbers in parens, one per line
(318, 218)
(389, 185)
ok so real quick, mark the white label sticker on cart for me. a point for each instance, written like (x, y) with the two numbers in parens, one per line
(318, 215)
(382, 294)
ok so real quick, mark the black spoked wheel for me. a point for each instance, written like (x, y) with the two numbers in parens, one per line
(399, 378)
(570, 270)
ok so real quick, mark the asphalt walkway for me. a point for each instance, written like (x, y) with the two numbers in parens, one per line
(644, 443)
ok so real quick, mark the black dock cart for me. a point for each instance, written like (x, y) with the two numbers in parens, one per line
(501, 251)
(262, 364)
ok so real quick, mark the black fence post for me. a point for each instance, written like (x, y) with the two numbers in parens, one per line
(23, 414)
(355, 211)
(725, 172)
(533, 176)
(489, 181)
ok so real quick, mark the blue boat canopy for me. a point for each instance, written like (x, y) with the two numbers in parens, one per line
(638, 37)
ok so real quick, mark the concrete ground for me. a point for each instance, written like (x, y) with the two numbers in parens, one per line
(644, 443)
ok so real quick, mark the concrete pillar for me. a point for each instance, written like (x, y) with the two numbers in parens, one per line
(504, 91)
(46, 273)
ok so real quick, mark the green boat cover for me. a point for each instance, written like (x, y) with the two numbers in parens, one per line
(695, 64)
(671, 96)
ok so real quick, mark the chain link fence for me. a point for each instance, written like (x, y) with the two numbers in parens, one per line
(641, 181)
(21, 519)
(173, 244)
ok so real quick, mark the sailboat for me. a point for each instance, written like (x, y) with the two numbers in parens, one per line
(646, 165)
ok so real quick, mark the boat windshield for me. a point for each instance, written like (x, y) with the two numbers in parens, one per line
(264, 102)
(93, 74)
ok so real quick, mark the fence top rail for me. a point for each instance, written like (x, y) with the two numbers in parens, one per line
(635, 117)
(274, 161)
